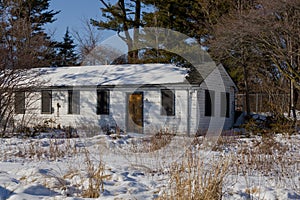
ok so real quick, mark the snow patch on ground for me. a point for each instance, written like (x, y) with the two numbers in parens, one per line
(58, 168)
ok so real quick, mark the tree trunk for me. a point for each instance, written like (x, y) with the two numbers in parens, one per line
(136, 26)
(245, 72)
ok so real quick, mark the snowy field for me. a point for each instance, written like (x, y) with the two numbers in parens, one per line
(135, 167)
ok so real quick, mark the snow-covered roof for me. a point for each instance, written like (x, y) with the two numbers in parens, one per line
(112, 75)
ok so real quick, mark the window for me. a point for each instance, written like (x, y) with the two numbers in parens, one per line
(102, 102)
(167, 102)
(20, 102)
(209, 103)
(73, 102)
(46, 101)
(225, 104)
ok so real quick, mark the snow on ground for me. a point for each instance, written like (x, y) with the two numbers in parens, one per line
(132, 167)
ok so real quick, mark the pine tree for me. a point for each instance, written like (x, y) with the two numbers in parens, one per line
(24, 37)
(66, 51)
(121, 17)
(194, 18)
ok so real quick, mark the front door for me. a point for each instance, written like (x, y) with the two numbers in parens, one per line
(135, 113)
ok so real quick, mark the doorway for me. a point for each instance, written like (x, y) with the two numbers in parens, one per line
(135, 114)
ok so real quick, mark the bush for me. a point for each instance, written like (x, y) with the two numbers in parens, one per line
(257, 124)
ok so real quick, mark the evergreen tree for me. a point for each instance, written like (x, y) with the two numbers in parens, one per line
(66, 51)
(122, 16)
(24, 37)
(194, 18)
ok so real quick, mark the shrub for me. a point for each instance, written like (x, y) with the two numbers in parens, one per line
(256, 124)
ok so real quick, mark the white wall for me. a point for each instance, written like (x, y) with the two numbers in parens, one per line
(217, 81)
(154, 121)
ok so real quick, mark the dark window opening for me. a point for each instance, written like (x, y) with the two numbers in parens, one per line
(209, 103)
(46, 101)
(73, 102)
(167, 102)
(225, 104)
(20, 102)
(102, 102)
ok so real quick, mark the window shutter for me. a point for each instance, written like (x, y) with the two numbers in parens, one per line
(102, 102)
(73, 102)
(20, 102)
(46, 101)
(167, 102)
(209, 103)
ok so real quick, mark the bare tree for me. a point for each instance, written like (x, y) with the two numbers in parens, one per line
(233, 45)
(88, 38)
(261, 42)
(91, 51)
(12, 83)
(279, 39)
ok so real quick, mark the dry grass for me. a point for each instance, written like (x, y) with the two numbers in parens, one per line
(52, 149)
(273, 158)
(86, 180)
(270, 158)
(95, 176)
(157, 141)
(194, 179)
(160, 140)
(265, 155)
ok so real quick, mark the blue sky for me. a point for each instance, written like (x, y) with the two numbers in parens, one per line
(72, 13)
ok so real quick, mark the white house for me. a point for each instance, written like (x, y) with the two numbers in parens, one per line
(140, 98)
